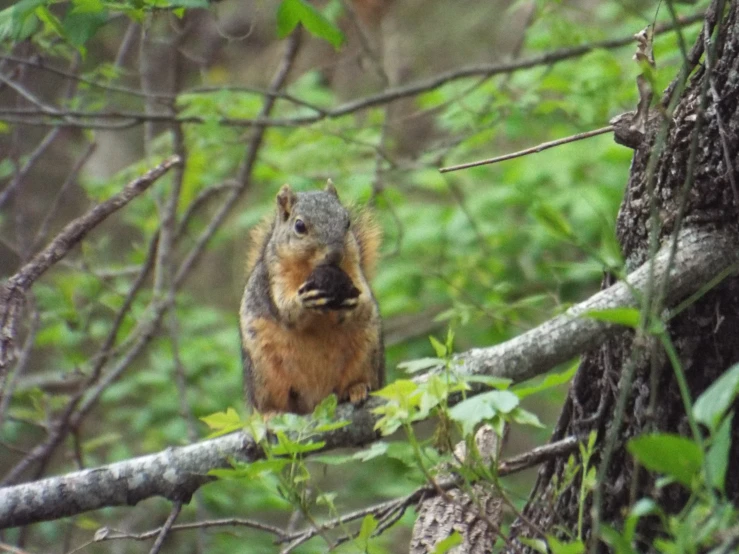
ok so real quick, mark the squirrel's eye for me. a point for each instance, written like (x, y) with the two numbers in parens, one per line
(348, 224)
(300, 227)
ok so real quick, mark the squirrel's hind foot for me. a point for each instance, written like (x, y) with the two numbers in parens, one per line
(358, 393)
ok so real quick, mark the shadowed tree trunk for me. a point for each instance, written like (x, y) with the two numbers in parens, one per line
(692, 187)
(683, 176)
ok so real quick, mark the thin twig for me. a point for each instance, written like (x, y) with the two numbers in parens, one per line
(12, 293)
(164, 531)
(76, 168)
(413, 89)
(533, 150)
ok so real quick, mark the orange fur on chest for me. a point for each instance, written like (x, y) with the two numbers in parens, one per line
(295, 370)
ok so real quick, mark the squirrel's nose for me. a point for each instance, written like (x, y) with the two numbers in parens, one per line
(334, 256)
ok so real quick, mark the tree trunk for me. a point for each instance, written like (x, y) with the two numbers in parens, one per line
(691, 186)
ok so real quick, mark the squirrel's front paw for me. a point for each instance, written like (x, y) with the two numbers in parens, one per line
(328, 288)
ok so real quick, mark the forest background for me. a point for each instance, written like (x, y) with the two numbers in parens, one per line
(137, 326)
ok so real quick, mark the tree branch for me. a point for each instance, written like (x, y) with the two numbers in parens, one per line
(12, 293)
(121, 119)
(177, 472)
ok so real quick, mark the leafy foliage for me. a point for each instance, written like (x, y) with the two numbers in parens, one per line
(489, 251)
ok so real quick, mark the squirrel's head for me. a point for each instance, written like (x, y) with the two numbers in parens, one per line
(311, 226)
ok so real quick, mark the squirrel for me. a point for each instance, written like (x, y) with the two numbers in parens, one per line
(309, 322)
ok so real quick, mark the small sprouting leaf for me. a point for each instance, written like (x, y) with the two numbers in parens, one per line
(50, 20)
(292, 12)
(629, 317)
(326, 409)
(449, 340)
(414, 366)
(223, 422)
(557, 547)
(439, 348)
(400, 389)
(673, 455)
(442, 547)
(716, 399)
(369, 524)
(326, 498)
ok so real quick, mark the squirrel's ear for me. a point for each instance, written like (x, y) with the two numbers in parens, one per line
(285, 201)
(330, 188)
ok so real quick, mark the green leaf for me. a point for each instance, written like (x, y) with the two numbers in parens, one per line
(52, 21)
(455, 539)
(524, 417)
(716, 399)
(332, 426)
(553, 221)
(369, 524)
(326, 409)
(377, 449)
(669, 454)
(537, 544)
(333, 459)
(223, 422)
(421, 364)
(19, 21)
(557, 547)
(629, 317)
(81, 26)
(439, 348)
(489, 380)
(398, 390)
(292, 12)
(550, 381)
(619, 542)
(287, 446)
(503, 401)
(254, 470)
(87, 6)
(482, 407)
(717, 458)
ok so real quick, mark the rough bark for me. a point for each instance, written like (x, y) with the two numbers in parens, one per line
(697, 144)
(474, 514)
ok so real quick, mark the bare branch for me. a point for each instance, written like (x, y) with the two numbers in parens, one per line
(177, 472)
(164, 531)
(533, 150)
(12, 293)
(126, 119)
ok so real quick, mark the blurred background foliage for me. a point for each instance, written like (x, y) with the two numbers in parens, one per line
(490, 251)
